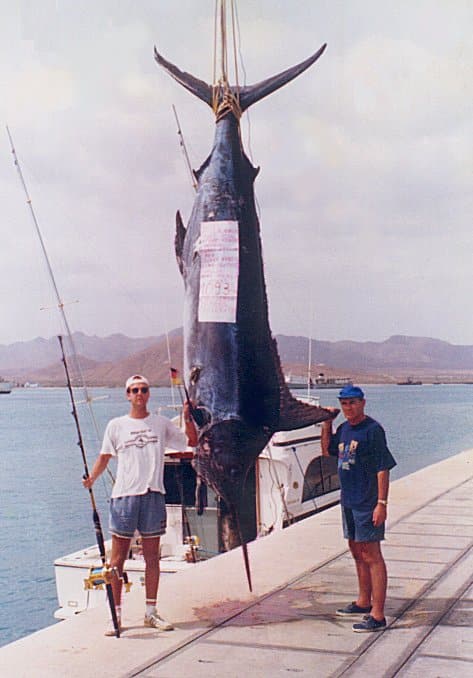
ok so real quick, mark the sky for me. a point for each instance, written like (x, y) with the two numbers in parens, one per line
(366, 163)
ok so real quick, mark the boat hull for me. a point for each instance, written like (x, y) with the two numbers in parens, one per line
(292, 481)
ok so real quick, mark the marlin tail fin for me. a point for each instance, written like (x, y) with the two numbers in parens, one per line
(248, 95)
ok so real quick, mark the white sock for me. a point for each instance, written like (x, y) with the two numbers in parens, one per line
(150, 608)
(118, 610)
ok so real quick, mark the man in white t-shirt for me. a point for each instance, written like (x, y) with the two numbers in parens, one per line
(138, 441)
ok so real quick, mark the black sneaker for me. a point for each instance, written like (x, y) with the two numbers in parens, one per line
(369, 624)
(352, 609)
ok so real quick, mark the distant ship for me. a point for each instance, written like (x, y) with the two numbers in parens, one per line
(409, 382)
(294, 381)
(321, 381)
(5, 386)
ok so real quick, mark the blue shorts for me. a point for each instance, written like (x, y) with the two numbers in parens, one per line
(143, 512)
(358, 525)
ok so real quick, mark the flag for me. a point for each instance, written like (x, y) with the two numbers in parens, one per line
(175, 377)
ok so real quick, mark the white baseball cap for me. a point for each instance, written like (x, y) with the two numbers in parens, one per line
(136, 379)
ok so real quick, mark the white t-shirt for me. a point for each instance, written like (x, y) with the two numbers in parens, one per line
(138, 445)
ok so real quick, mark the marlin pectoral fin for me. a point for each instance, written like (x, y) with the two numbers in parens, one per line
(179, 240)
(253, 93)
(198, 87)
(295, 414)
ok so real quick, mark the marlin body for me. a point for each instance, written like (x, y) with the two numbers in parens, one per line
(231, 363)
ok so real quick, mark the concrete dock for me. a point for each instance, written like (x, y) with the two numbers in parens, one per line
(288, 624)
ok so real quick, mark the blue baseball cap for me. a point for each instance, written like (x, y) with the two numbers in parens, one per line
(350, 391)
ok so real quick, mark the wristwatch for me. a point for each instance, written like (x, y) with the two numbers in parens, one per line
(383, 502)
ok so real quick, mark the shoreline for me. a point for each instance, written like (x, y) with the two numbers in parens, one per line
(293, 601)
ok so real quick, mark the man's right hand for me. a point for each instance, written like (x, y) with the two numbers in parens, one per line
(335, 412)
(87, 482)
(326, 433)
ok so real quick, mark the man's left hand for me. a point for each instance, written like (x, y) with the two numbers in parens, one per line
(379, 514)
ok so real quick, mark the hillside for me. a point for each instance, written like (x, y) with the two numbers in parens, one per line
(40, 352)
(109, 361)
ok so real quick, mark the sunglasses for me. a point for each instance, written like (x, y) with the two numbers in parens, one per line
(143, 389)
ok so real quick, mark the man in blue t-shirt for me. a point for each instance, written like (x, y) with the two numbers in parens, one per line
(364, 462)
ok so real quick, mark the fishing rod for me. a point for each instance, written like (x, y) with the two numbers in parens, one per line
(182, 144)
(95, 578)
(196, 414)
(107, 572)
(177, 381)
(60, 304)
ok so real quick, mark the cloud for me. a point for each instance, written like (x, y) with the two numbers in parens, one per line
(399, 88)
(365, 162)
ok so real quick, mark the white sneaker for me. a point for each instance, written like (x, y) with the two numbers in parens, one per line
(110, 630)
(156, 622)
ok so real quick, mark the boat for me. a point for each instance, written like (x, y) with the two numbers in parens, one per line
(5, 386)
(291, 481)
(409, 382)
(297, 382)
(321, 381)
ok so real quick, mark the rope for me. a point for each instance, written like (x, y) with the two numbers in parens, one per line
(214, 74)
(225, 100)
(223, 38)
(229, 102)
(235, 61)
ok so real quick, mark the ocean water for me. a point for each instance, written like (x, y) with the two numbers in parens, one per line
(46, 513)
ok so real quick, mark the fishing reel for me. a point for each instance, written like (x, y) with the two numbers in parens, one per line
(102, 576)
(193, 542)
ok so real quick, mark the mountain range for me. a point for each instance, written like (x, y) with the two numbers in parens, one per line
(108, 361)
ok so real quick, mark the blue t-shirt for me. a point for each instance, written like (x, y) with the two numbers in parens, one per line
(362, 452)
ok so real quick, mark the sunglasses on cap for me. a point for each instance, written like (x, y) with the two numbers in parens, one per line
(136, 389)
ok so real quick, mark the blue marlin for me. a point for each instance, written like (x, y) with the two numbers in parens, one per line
(231, 363)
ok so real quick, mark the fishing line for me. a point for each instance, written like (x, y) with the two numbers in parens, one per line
(168, 348)
(60, 304)
(87, 398)
(245, 81)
